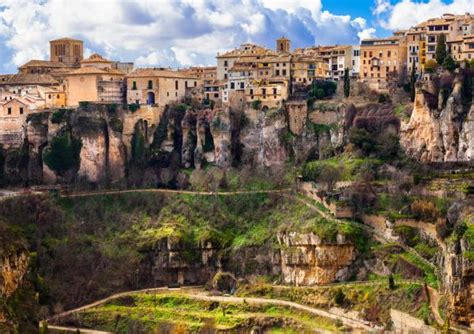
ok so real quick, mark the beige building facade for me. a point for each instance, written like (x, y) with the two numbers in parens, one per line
(382, 60)
(158, 86)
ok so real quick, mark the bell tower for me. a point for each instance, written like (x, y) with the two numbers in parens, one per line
(283, 45)
(67, 51)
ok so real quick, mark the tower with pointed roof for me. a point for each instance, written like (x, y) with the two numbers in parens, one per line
(68, 51)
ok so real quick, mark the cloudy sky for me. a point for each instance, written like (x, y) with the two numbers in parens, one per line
(190, 32)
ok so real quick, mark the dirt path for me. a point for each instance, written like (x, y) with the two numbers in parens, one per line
(198, 294)
(171, 191)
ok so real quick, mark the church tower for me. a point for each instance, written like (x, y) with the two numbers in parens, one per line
(283, 45)
(68, 51)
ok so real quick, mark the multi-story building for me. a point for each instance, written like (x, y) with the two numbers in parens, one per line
(383, 59)
(92, 84)
(422, 39)
(246, 53)
(158, 86)
(270, 92)
(306, 68)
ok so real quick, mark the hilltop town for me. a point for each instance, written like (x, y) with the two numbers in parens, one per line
(250, 72)
(325, 188)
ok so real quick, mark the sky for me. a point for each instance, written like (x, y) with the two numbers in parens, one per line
(181, 33)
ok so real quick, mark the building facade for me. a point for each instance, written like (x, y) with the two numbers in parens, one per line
(68, 51)
(158, 86)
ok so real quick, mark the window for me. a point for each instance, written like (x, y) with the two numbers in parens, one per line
(49, 97)
(57, 96)
(216, 95)
(9, 111)
(21, 110)
(389, 53)
(176, 86)
(370, 54)
(225, 63)
(150, 84)
(365, 53)
(134, 85)
(241, 85)
(274, 91)
(232, 85)
(195, 83)
(277, 72)
(284, 72)
(264, 92)
(225, 76)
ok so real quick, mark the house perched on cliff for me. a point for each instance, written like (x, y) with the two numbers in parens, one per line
(159, 86)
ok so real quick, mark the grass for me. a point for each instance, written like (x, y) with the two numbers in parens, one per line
(349, 166)
(152, 312)
(364, 298)
(429, 273)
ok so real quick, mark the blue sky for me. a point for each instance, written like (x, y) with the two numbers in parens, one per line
(180, 33)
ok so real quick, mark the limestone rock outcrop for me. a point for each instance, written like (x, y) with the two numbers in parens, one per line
(441, 127)
(306, 260)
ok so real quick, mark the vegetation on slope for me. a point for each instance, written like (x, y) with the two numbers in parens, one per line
(178, 313)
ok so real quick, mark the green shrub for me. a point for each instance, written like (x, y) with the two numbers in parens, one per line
(133, 107)
(256, 104)
(339, 297)
(58, 116)
(63, 153)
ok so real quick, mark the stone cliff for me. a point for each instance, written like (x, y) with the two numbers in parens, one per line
(441, 126)
(149, 145)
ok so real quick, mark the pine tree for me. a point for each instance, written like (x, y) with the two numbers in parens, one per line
(441, 52)
(347, 83)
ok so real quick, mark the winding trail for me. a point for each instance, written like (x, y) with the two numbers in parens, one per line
(195, 293)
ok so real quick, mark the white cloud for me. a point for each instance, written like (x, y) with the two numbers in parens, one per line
(407, 13)
(167, 32)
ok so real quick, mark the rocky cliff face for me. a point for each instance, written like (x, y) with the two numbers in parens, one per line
(117, 143)
(15, 301)
(305, 260)
(441, 127)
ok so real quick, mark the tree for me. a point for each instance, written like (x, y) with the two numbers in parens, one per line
(347, 83)
(413, 81)
(363, 140)
(339, 297)
(391, 282)
(330, 175)
(441, 51)
(63, 153)
(431, 66)
(449, 63)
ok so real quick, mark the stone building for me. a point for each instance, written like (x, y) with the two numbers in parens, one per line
(92, 84)
(383, 59)
(270, 92)
(422, 39)
(68, 51)
(97, 61)
(159, 86)
(40, 67)
(246, 53)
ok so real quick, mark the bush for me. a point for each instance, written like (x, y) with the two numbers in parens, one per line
(339, 297)
(363, 140)
(256, 104)
(431, 65)
(58, 116)
(133, 107)
(424, 210)
(63, 153)
(322, 88)
(449, 63)
(384, 98)
(391, 282)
